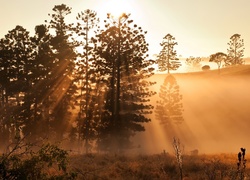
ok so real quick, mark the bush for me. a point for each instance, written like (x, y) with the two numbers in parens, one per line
(206, 68)
(22, 162)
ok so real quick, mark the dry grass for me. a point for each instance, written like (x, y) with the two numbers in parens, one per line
(224, 88)
(212, 86)
(158, 166)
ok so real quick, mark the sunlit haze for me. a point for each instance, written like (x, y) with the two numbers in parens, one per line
(216, 107)
(116, 7)
(200, 27)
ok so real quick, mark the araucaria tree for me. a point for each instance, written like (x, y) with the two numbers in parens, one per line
(61, 86)
(100, 94)
(169, 108)
(167, 58)
(124, 70)
(86, 77)
(235, 50)
(17, 78)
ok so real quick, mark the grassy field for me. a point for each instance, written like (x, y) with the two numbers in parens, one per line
(215, 128)
(158, 166)
(216, 112)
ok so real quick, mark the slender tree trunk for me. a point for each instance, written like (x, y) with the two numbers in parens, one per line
(87, 94)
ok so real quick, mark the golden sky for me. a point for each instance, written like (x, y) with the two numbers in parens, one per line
(201, 27)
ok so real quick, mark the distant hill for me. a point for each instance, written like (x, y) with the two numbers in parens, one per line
(233, 70)
(216, 112)
(205, 61)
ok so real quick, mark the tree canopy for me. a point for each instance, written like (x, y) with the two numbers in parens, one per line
(167, 58)
(98, 94)
(235, 50)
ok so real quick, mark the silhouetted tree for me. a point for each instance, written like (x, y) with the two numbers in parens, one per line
(8, 101)
(235, 50)
(167, 58)
(62, 87)
(87, 76)
(218, 58)
(169, 108)
(124, 68)
(41, 70)
(16, 80)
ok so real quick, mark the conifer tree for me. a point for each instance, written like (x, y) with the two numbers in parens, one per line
(62, 86)
(125, 70)
(86, 76)
(169, 107)
(235, 50)
(167, 58)
(16, 81)
(41, 69)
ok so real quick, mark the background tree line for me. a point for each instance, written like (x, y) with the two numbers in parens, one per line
(75, 82)
(234, 56)
(82, 84)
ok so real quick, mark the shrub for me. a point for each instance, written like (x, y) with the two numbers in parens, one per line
(22, 162)
(205, 67)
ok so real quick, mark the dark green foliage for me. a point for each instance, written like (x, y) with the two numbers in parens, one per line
(167, 59)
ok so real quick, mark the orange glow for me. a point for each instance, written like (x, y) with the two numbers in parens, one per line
(116, 7)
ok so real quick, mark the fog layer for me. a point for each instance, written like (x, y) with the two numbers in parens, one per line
(216, 113)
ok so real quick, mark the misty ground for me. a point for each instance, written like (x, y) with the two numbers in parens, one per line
(216, 113)
(156, 166)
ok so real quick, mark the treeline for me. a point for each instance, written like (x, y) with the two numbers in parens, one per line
(75, 82)
(85, 85)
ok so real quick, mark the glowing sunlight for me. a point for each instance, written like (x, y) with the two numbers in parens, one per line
(125, 89)
(116, 7)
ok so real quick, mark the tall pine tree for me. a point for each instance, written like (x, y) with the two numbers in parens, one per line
(86, 77)
(125, 70)
(17, 61)
(62, 86)
(235, 50)
(169, 107)
(167, 59)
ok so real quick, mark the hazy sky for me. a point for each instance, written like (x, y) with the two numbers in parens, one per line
(201, 27)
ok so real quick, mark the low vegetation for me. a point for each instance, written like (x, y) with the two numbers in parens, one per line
(157, 166)
(38, 160)
(46, 161)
